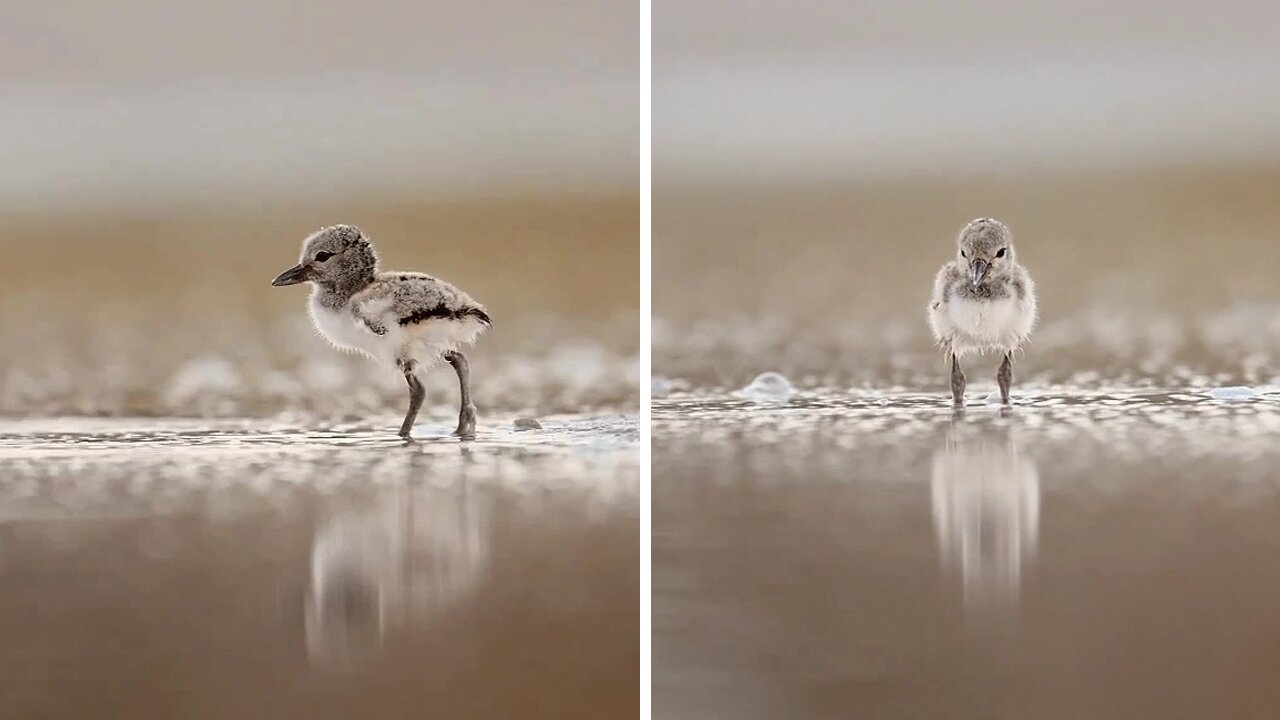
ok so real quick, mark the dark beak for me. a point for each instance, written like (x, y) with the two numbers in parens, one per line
(292, 276)
(979, 269)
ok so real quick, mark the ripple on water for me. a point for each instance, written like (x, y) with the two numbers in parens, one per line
(1118, 422)
(60, 467)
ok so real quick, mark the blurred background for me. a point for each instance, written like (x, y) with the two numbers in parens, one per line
(163, 162)
(814, 161)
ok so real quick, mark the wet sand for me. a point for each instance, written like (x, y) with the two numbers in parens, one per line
(1104, 553)
(264, 569)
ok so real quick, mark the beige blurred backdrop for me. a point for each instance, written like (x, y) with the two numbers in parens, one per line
(814, 160)
(163, 162)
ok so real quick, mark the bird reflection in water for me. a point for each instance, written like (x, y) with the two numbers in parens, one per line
(399, 565)
(986, 511)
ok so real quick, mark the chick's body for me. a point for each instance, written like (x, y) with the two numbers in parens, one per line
(406, 320)
(983, 301)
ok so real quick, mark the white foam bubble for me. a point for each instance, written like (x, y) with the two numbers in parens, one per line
(768, 386)
(662, 386)
(1237, 392)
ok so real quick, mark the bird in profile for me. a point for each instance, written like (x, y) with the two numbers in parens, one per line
(983, 301)
(406, 320)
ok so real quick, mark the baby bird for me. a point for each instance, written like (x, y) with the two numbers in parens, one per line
(403, 319)
(983, 301)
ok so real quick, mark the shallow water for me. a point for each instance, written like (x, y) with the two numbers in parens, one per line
(249, 568)
(1102, 553)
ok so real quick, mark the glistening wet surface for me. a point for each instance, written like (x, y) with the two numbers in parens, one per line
(1100, 553)
(266, 569)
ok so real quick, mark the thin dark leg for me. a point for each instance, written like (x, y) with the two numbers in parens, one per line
(416, 395)
(1004, 376)
(467, 410)
(957, 382)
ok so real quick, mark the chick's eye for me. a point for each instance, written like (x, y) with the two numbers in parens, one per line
(1001, 253)
(323, 255)
(964, 254)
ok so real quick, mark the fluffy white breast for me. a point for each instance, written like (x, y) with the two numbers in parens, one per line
(1001, 324)
(342, 329)
(983, 317)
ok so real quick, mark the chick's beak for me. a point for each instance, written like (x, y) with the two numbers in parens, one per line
(979, 270)
(292, 276)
